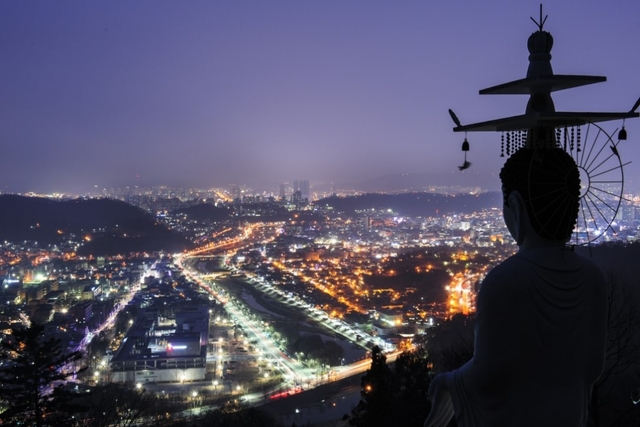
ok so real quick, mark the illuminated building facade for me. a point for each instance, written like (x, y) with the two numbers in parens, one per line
(157, 349)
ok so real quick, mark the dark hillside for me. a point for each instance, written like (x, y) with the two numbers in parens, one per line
(617, 257)
(205, 212)
(414, 204)
(107, 223)
(34, 218)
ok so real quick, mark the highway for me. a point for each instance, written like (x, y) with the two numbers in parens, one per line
(294, 373)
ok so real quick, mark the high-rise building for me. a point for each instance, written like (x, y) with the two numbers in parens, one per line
(296, 198)
(235, 190)
(282, 194)
(304, 190)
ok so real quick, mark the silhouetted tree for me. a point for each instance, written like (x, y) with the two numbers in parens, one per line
(114, 405)
(610, 401)
(331, 353)
(378, 395)
(235, 414)
(314, 347)
(450, 344)
(98, 345)
(32, 367)
(413, 370)
(124, 319)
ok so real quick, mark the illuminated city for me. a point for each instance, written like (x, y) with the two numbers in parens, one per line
(217, 319)
(259, 213)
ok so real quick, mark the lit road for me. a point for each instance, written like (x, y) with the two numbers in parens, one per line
(361, 366)
(348, 331)
(293, 370)
(109, 323)
(461, 295)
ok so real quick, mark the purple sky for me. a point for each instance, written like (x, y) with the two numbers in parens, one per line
(203, 93)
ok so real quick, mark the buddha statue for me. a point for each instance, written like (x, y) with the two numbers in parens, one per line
(541, 314)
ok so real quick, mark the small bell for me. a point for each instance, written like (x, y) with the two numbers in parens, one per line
(465, 148)
(622, 135)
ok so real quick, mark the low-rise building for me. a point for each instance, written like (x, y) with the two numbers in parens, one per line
(157, 350)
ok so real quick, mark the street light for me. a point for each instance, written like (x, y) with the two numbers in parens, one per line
(194, 396)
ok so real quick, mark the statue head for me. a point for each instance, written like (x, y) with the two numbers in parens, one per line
(546, 182)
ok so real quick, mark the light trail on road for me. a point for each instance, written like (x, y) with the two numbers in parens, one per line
(296, 373)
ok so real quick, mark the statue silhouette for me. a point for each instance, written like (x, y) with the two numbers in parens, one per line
(541, 314)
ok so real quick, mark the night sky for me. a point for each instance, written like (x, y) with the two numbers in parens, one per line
(209, 93)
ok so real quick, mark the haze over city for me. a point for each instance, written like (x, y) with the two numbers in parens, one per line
(216, 93)
(279, 213)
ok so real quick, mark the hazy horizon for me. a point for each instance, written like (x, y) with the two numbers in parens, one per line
(208, 94)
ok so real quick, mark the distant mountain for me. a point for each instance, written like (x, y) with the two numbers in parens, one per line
(415, 204)
(423, 181)
(111, 226)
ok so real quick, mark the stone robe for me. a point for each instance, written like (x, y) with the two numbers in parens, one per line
(539, 343)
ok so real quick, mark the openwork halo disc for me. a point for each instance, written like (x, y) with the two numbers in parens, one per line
(601, 172)
(601, 181)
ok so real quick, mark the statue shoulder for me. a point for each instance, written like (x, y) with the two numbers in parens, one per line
(508, 269)
(504, 275)
(596, 274)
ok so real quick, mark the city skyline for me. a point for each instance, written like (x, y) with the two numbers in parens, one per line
(209, 94)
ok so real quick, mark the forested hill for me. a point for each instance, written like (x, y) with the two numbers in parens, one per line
(414, 204)
(111, 226)
(205, 212)
(616, 258)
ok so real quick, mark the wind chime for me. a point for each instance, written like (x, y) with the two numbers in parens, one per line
(541, 126)
(465, 148)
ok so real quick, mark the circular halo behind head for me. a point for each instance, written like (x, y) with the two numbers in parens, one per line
(549, 182)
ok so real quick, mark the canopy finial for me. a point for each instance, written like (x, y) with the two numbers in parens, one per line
(541, 22)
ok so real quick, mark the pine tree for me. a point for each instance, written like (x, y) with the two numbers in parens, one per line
(31, 368)
(378, 395)
(413, 370)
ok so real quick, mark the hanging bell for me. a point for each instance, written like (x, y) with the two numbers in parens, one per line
(465, 145)
(622, 135)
